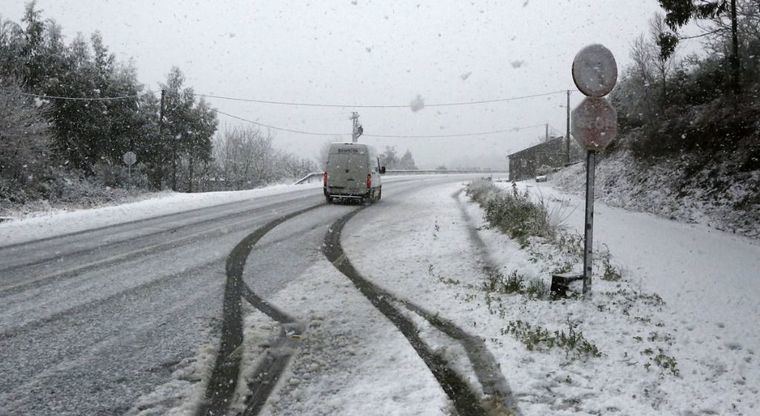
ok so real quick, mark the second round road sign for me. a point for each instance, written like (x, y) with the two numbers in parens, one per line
(594, 123)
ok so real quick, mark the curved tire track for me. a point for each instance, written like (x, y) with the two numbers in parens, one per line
(223, 381)
(465, 400)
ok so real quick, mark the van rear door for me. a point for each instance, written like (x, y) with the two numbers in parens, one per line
(347, 170)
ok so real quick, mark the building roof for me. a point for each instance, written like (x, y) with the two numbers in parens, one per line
(539, 145)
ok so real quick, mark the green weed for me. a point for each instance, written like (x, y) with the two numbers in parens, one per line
(537, 338)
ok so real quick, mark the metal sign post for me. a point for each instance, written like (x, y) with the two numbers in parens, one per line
(588, 230)
(594, 125)
(129, 159)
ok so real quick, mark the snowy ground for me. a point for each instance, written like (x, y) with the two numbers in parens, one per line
(351, 360)
(708, 281)
(691, 352)
(676, 335)
(718, 194)
(344, 364)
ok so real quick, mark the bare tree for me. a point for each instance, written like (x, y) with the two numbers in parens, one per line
(246, 158)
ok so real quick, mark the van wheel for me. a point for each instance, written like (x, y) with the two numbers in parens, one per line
(379, 193)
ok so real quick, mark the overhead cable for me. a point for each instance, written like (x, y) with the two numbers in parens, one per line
(334, 105)
(311, 133)
(384, 136)
(58, 97)
(305, 104)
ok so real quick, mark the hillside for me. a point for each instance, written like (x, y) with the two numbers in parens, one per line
(716, 192)
(688, 145)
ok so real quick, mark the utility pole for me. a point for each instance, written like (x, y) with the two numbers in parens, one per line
(547, 132)
(567, 130)
(357, 129)
(173, 144)
(735, 67)
(161, 122)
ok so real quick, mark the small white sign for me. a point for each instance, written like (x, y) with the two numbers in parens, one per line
(129, 158)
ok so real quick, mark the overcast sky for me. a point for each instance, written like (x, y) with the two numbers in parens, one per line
(368, 52)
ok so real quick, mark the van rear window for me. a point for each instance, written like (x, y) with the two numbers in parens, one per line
(348, 161)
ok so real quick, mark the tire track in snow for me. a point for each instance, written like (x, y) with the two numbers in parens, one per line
(456, 388)
(484, 364)
(480, 245)
(223, 381)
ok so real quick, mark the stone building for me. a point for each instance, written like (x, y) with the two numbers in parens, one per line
(542, 158)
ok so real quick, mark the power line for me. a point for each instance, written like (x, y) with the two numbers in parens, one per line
(384, 136)
(57, 97)
(303, 104)
(311, 133)
(328, 105)
(435, 136)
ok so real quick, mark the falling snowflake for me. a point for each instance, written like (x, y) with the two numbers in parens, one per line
(417, 104)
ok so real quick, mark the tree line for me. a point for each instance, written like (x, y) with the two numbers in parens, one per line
(47, 143)
(700, 103)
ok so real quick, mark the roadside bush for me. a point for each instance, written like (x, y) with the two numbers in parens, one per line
(513, 213)
(537, 228)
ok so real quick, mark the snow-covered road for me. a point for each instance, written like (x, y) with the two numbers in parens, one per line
(125, 314)
(92, 320)
(118, 309)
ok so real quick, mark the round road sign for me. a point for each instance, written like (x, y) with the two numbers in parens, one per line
(594, 123)
(129, 158)
(595, 71)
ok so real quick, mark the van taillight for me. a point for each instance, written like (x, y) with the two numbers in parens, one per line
(324, 179)
(369, 181)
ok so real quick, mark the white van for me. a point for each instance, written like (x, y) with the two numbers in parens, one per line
(353, 172)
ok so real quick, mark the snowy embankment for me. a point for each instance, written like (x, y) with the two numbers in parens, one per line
(670, 331)
(718, 193)
(48, 224)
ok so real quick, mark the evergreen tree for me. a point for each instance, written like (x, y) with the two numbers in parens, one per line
(389, 158)
(680, 12)
(407, 161)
